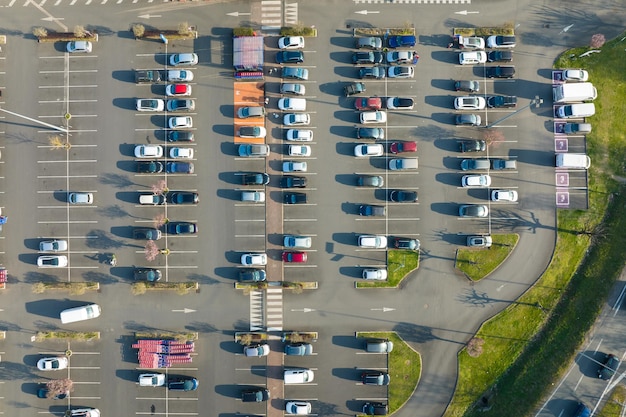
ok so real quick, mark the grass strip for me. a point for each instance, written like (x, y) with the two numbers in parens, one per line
(399, 264)
(478, 263)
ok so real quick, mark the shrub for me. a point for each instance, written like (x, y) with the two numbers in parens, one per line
(40, 32)
(243, 32)
(80, 31)
(597, 40)
(138, 30)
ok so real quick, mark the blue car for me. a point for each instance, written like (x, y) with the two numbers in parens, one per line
(403, 41)
(179, 168)
(181, 228)
(289, 57)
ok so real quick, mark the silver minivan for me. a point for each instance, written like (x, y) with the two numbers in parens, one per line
(89, 311)
(402, 163)
(293, 104)
(298, 376)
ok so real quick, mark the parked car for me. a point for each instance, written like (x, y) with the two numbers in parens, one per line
(53, 246)
(375, 274)
(146, 233)
(253, 132)
(582, 411)
(256, 395)
(291, 42)
(251, 150)
(377, 345)
(576, 128)
(402, 147)
(472, 58)
(364, 58)
(481, 180)
(181, 153)
(500, 56)
(147, 274)
(183, 197)
(180, 136)
(372, 241)
(291, 88)
(370, 181)
(294, 256)
(401, 41)
(500, 72)
(609, 365)
(298, 349)
(400, 103)
(254, 259)
(253, 196)
(79, 47)
(178, 90)
(377, 116)
(297, 241)
(354, 88)
(368, 149)
(471, 42)
(177, 60)
(179, 168)
(479, 241)
(473, 210)
(469, 103)
(406, 243)
(472, 145)
(294, 198)
(294, 166)
(298, 407)
(502, 101)
(181, 105)
(52, 364)
(147, 76)
(370, 133)
(498, 164)
(295, 73)
(151, 199)
(299, 135)
(468, 119)
(180, 122)
(52, 261)
(151, 380)
(369, 43)
(296, 119)
(372, 72)
(504, 195)
(252, 275)
(256, 350)
(474, 164)
(84, 412)
(148, 151)
(500, 41)
(181, 228)
(44, 392)
(400, 57)
(372, 210)
(80, 198)
(149, 104)
(576, 75)
(469, 86)
(375, 378)
(290, 181)
(368, 103)
(375, 409)
(149, 167)
(401, 72)
(255, 178)
(182, 384)
(289, 57)
(179, 75)
(299, 150)
(403, 196)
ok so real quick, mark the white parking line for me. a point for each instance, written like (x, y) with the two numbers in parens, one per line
(68, 101)
(69, 222)
(69, 86)
(249, 220)
(299, 220)
(65, 176)
(249, 235)
(63, 71)
(182, 266)
(66, 161)
(371, 250)
(300, 266)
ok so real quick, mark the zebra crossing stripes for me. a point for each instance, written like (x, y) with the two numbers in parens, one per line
(291, 13)
(271, 15)
(274, 309)
(256, 310)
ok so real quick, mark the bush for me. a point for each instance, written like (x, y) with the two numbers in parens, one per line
(138, 30)
(597, 40)
(243, 32)
(40, 32)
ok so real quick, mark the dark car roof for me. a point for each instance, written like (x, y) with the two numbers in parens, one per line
(252, 275)
(149, 166)
(501, 71)
(174, 167)
(467, 85)
(180, 136)
(289, 181)
(403, 40)
(370, 133)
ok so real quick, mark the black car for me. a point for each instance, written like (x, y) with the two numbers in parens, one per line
(372, 72)
(43, 392)
(582, 411)
(403, 196)
(369, 43)
(370, 133)
(252, 275)
(294, 198)
(375, 409)
(255, 178)
(469, 86)
(608, 367)
(354, 88)
(371, 210)
(289, 57)
(292, 181)
(180, 136)
(375, 378)
(363, 58)
(255, 395)
(472, 145)
(179, 167)
(183, 197)
(502, 101)
(500, 72)
(182, 384)
(370, 181)
(500, 56)
(406, 243)
(181, 228)
(402, 41)
(400, 103)
(147, 274)
(146, 233)
(147, 76)
(149, 167)
(180, 105)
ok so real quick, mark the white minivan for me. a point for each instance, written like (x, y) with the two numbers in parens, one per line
(293, 104)
(89, 311)
(298, 376)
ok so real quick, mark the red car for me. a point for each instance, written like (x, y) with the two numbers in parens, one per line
(178, 90)
(399, 147)
(297, 257)
(368, 103)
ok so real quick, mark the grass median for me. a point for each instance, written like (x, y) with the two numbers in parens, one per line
(478, 263)
(399, 264)
(529, 345)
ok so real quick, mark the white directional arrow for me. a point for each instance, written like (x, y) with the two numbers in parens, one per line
(465, 12)
(237, 14)
(303, 310)
(366, 12)
(384, 309)
(184, 310)
(52, 19)
(148, 16)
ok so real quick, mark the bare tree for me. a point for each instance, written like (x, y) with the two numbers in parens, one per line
(160, 187)
(40, 32)
(597, 40)
(151, 250)
(160, 220)
(57, 143)
(138, 30)
(475, 347)
(58, 387)
(80, 31)
(493, 136)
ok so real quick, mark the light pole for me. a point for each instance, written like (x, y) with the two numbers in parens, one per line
(536, 102)
(36, 121)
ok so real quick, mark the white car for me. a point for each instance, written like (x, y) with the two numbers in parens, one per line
(298, 407)
(52, 261)
(151, 380)
(373, 241)
(401, 72)
(52, 364)
(85, 412)
(53, 246)
(297, 119)
(292, 88)
(368, 117)
(178, 60)
(472, 42)
(294, 166)
(299, 150)
(180, 122)
(79, 47)
(376, 274)
(472, 58)
(253, 196)
(148, 151)
(178, 90)
(256, 350)
(294, 241)
(504, 195)
(479, 241)
(476, 180)
(575, 75)
(149, 104)
(179, 75)
(291, 42)
(254, 259)
(368, 149)
(299, 135)
(470, 103)
(501, 41)
(400, 57)
(181, 153)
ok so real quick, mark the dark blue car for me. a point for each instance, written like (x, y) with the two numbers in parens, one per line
(403, 41)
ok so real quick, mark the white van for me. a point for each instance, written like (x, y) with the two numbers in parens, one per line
(402, 163)
(298, 376)
(573, 161)
(71, 315)
(580, 110)
(293, 104)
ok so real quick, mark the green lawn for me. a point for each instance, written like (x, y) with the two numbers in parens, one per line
(478, 263)
(530, 344)
(399, 264)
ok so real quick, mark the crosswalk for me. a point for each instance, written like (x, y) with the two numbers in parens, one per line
(266, 310)
(271, 15)
(256, 310)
